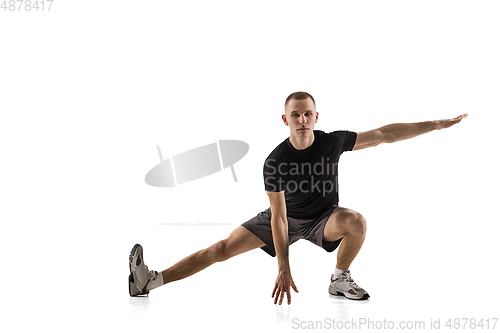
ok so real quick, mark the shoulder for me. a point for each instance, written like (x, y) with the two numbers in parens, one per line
(319, 134)
(343, 139)
(278, 151)
(340, 135)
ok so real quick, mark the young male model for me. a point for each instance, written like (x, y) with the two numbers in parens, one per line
(300, 177)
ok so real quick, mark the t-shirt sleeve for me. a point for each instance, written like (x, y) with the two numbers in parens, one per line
(272, 180)
(349, 140)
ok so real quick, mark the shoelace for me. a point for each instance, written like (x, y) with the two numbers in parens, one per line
(348, 279)
(152, 274)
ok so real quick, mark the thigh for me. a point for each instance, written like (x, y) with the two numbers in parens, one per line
(241, 240)
(338, 223)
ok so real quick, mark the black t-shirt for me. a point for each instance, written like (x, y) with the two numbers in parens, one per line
(309, 176)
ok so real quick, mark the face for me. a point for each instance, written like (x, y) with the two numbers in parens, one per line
(300, 117)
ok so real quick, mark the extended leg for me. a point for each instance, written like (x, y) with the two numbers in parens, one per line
(239, 241)
(142, 280)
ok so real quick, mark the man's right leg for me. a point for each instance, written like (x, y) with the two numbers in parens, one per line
(142, 280)
(239, 241)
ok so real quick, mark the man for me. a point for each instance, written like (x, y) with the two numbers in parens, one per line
(300, 178)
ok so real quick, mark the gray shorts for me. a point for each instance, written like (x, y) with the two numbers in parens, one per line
(311, 229)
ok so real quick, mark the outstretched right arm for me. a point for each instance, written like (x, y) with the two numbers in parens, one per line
(279, 227)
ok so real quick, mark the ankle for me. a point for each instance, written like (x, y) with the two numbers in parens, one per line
(156, 282)
(337, 272)
(165, 277)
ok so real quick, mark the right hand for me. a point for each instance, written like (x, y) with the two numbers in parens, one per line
(445, 123)
(282, 286)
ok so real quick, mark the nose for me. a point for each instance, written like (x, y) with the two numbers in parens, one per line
(303, 119)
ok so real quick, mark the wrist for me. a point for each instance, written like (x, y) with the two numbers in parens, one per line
(436, 124)
(284, 268)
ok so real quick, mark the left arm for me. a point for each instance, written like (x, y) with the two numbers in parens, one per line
(397, 132)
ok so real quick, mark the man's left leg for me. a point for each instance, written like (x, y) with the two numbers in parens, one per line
(351, 225)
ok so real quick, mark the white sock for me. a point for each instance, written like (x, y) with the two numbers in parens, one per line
(337, 272)
(156, 282)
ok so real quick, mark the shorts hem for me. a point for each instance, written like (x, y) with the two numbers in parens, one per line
(266, 248)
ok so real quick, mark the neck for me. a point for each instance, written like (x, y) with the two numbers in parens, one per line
(301, 143)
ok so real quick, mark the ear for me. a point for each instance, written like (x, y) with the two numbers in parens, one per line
(284, 119)
(316, 119)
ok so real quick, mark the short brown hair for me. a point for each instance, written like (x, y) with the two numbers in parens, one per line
(299, 95)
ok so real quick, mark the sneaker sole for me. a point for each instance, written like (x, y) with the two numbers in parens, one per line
(131, 276)
(131, 256)
(339, 293)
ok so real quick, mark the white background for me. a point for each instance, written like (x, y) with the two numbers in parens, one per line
(90, 88)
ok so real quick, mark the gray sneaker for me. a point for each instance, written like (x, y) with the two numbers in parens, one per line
(140, 275)
(344, 285)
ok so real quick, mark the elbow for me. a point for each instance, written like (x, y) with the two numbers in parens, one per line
(279, 220)
(388, 138)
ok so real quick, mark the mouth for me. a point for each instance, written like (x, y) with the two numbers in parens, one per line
(303, 129)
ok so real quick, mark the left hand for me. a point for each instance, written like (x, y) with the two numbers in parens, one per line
(445, 123)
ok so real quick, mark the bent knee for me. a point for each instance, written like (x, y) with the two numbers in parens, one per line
(358, 223)
(354, 223)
